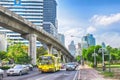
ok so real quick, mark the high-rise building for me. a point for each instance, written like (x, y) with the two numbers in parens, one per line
(72, 48)
(32, 10)
(49, 17)
(88, 41)
(61, 38)
(78, 50)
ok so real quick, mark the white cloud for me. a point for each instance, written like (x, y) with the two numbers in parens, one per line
(69, 25)
(105, 20)
(109, 38)
(76, 32)
(91, 29)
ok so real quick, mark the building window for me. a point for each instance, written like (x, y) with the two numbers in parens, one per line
(17, 2)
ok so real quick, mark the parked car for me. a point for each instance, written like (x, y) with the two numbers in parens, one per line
(70, 66)
(30, 66)
(1, 74)
(18, 70)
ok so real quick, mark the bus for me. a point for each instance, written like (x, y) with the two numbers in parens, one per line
(49, 63)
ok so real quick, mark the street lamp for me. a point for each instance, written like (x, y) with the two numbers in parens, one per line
(94, 54)
(108, 53)
(102, 50)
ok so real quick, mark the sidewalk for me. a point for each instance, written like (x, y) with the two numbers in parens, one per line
(88, 73)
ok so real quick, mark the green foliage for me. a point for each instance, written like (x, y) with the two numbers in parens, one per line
(17, 53)
(87, 54)
(108, 74)
(115, 54)
(41, 51)
(4, 67)
(78, 58)
(3, 55)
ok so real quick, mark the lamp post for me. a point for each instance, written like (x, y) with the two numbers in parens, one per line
(94, 54)
(109, 60)
(102, 50)
(108, 53)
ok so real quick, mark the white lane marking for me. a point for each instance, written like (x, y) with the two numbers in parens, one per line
(76, 74)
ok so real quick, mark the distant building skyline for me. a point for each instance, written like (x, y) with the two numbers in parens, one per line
(72, 48)
(78, 50)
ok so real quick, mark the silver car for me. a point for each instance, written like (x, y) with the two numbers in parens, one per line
(1, 74)
(18, 70)
(30, 67)
(70, 66)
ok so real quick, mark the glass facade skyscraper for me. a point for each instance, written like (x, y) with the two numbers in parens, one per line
(33, 11)
(49, 17)
(88, 41)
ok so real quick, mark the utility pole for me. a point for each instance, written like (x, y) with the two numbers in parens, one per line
(102, 50)
(94, 54)
(103, 64)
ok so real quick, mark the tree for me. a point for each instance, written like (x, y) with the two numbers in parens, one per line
(41, 51)
(87, 54)
(78, 58)
(18, 53)
(3, 55)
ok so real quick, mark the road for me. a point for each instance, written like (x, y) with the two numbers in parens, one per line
(36, 75)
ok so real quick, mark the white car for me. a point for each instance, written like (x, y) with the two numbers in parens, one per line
(70, 66)
(1, 74)
(18, 70)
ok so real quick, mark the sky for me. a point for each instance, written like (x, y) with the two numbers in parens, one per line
(98, 17)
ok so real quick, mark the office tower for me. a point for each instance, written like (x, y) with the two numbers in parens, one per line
(49, 17)
(72, 48)
(32, 10)
(78, 50)
(88, 41)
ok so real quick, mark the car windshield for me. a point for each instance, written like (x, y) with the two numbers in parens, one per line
(17, 66)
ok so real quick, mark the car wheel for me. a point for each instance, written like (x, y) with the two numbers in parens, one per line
(1, 77)
(20, 73)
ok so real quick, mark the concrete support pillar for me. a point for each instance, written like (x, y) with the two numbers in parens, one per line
(50, 47)
(64, 59)
(32, 48)
(59, 55)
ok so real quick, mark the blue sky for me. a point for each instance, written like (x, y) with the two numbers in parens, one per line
(99, 17)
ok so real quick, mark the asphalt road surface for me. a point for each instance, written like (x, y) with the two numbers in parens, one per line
(36, 75)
